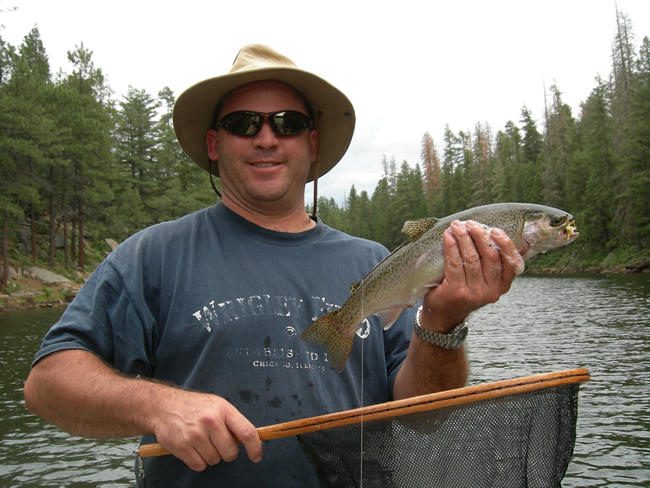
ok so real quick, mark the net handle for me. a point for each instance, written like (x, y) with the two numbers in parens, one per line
(418, 404)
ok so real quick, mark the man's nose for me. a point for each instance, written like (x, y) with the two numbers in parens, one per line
(266, 137)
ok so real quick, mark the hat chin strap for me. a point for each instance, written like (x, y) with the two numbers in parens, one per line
(313, 214)
(214, 187)
(316, 166)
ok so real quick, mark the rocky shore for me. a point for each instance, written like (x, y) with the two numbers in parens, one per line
(36, 287)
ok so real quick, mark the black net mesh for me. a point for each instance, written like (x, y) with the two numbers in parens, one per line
(519, 440)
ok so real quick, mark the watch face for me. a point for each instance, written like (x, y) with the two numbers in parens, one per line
(458, 337)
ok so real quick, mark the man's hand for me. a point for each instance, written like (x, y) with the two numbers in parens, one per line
(78, 392)
(480, 266)
(202, 430)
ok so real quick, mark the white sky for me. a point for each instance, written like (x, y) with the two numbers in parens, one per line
(407, 66)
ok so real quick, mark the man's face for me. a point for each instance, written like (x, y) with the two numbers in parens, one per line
(266, 172)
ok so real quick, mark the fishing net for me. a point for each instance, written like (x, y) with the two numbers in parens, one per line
(513, 433)
(522, 440)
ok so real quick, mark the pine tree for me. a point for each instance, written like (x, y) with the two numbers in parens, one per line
(481, 159)
(635, 198)
(33, 75)
(329, 212)
(431, 170)
(528, 180)
(8, 203)
(623, 72)
(410, 201)
(451, 197)
(357, 217)
(507, 164)
(183, 187)
(382, 212)
(87, 144)
(25, 76)
(136, 137)
(560, 143)
(593, 204)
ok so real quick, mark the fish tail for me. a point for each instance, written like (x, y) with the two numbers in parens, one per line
(323, 332)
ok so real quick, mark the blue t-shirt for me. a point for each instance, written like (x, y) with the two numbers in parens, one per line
(214, 303)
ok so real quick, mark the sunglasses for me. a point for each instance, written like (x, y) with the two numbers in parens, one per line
(248, 123)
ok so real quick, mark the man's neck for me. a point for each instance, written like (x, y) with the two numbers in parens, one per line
(291, 221)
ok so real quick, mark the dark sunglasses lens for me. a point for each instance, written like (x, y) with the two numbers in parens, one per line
(242, 123)
(290, 122)
(249, 123)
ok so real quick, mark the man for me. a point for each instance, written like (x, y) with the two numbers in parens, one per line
(188, 331)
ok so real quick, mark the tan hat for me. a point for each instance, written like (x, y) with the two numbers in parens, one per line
(194, 108)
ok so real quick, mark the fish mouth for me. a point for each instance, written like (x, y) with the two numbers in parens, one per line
(543, 234)
(571, 230)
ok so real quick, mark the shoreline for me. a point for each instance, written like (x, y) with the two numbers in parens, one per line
(32, 294)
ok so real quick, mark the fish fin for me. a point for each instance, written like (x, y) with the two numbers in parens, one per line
(415, 228)
(354, 286)
(388, 316)
(323, 333)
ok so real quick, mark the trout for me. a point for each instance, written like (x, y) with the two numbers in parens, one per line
(407, 273)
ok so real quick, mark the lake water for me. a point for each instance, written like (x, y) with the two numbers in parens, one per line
(545, 323)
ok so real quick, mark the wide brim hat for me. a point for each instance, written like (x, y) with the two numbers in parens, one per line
(194, 109)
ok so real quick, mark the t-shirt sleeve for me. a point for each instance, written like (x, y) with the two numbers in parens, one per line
(106, 320)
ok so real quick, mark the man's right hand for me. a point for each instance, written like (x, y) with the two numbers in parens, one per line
(79, 393)
(202, 429)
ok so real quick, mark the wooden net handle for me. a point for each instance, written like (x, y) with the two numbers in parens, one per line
(397, 408)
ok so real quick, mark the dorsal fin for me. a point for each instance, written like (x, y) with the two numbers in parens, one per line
(415, 228)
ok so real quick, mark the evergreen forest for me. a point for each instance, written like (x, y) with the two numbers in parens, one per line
(78, 165)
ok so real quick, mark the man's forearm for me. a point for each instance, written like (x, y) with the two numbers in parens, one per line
(76, 391)
(429, 369)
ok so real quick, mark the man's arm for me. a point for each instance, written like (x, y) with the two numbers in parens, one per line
(475, 274)
(78, 392)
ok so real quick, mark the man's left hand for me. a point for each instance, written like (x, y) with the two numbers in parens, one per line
(480, 266)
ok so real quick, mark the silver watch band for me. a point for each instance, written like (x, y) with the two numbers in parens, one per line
(451, 340)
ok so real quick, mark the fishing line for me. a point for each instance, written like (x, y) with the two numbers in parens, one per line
(362, 403)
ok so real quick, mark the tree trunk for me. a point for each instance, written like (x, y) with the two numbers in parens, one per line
(81, 238)
(33, 230)
(66, 254)
(4, 279)
(5, 256)
(52, 222)
(73, 231)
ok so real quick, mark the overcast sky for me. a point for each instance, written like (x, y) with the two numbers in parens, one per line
(407, 66)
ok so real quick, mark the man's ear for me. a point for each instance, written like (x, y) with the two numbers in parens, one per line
(212, 143)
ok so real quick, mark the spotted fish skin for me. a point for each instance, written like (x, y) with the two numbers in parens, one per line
(406, 274)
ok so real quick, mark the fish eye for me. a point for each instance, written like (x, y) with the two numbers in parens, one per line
(557, 220)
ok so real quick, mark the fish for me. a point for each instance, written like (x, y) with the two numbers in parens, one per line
(411, 270)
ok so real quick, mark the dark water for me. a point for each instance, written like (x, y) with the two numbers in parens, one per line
(33, 453)
(598, 322)
(545, 323)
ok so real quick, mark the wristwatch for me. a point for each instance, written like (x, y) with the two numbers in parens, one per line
(452, 340)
